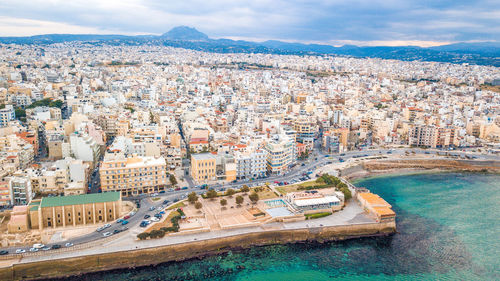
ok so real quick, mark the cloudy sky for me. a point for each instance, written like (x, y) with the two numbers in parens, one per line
(335, 22)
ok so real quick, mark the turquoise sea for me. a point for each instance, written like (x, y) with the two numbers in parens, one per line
(448, 229)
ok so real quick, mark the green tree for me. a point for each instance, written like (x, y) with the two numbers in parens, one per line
(143, 236)
(192, 197)
(211, 194)
(223, 202)
(173, 180)
(239, 200)
(245, 188)
(198, 205)
(254, 197)
(20, 113)
(230, 192)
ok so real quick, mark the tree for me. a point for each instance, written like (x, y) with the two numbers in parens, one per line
(198, 205)
(223, 202)
(173, 180)
(239, 200)
(245, 188)
(230, 192)
(192, 197)
(254, 197)
(143, 236)
(211, 194)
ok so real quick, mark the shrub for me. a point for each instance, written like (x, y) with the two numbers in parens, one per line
(198, 205)
(239, 199)
(317, 215)
(143, 236)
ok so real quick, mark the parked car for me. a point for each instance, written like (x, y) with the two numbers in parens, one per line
(124, 222)
(155, 219)
(3, 252)
(46, 248)
(20, 251)
(106, 225)
(152, 208)
(184, 188)
(56, 246)
(38, 246)
(131, 214)
(126, 217)
(33, 250)
(143, 224)
(147, 216)
(119, 220)
(116, 231)
(68, 244)
(99, 229)
(106, 234)
(165, 202)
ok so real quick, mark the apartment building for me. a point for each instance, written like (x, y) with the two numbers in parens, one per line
(133, 175)
(7, 114)
(203, 167)
(20, 188)
(280, 154)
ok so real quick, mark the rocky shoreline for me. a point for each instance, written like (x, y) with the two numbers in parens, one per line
(417, 166)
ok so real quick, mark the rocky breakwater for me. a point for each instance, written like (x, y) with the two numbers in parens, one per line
(424, 164)
(150, 256)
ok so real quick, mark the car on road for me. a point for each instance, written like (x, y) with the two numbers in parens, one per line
(160, 208)
(124, 222)
(3, 252)
(116, 231)
(20, 251)
(56, 246)
(106, 225)
(106, 234)
(176, 199)
(68, 244)
(152, 208)
(126, 217)
(46, 248)
(184, 188)
(33, 250)
(99, 229)
(131, 214)
(147, 216)
(177, 188)
(119, 220)
(38, 246)
(165, 202)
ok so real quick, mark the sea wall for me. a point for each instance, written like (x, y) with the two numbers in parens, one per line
(178, 252)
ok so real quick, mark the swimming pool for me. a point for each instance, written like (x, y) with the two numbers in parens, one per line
(275, 203)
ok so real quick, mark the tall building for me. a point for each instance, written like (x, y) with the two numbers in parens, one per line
(280, 154)
(7, 114)
(134, 175)
(20, 188)
(203, 167)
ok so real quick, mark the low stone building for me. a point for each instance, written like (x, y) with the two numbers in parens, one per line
(18, 220)
(62, 211)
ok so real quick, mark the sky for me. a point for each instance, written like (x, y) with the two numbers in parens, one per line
(335, 22)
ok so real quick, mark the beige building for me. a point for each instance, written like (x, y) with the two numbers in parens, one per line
(203, 167)
(62, 211)
(133, 175)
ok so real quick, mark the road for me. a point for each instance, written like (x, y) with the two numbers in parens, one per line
(316, 159)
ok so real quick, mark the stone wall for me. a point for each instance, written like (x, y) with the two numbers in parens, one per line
(179, 252)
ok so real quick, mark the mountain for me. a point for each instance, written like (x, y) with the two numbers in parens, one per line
(185, 33)
(482, 53)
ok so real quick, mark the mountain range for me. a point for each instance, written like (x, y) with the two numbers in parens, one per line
(482, 53)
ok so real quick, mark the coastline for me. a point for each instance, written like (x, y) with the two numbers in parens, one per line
(150, 256)
(196, 249)
(399, 169)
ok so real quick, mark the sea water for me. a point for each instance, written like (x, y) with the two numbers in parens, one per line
(448, 229)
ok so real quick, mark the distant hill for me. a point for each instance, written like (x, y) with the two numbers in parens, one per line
(482, 53)
(185, 33)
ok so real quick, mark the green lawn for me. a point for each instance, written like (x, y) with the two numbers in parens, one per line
(175, 206)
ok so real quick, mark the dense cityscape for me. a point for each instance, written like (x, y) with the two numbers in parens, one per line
(89, 133)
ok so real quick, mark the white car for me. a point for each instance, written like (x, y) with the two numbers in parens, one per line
(33, 250)
(155, 219)
(160, 208)
(106, 234)
(68, 244)
(20, 251)
(38, 246)
(107, 225)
